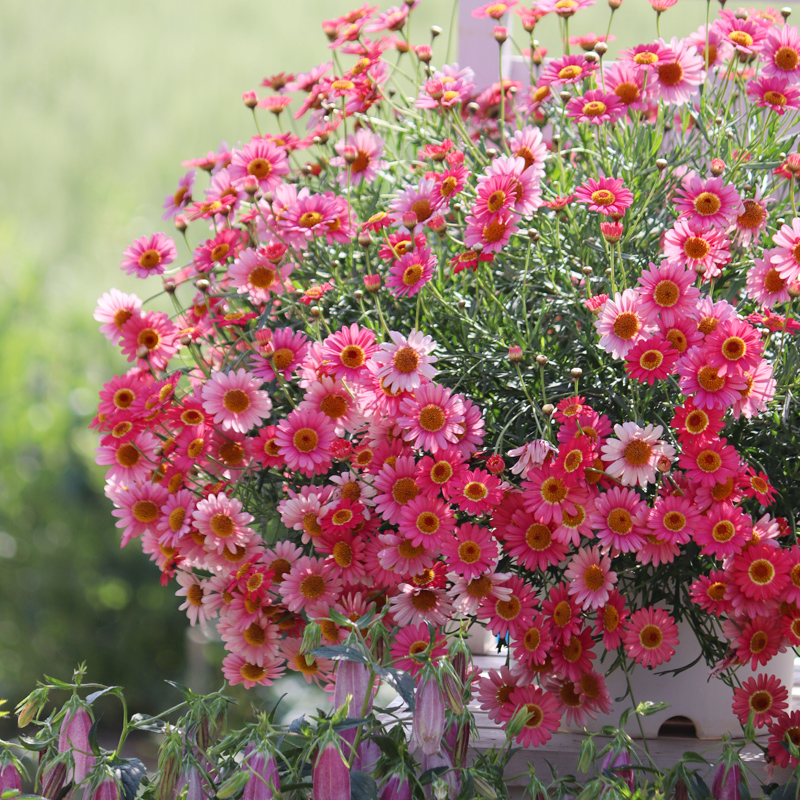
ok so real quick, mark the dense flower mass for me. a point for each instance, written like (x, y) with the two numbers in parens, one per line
(313, 447)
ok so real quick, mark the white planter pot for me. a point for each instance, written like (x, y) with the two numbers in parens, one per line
(705, 701)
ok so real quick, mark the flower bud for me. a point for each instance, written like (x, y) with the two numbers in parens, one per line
(53, 780)
(9, 778)
(793, 289)
(612, 231)
(484, 788)
(495, 464)
(622, 759)
(452, 693)
(410, 219)
(437, 224)
(601, 48)
(169, 767)
(515, 354)
(264, 778)
(428, 723)
(372, 283)
(396, 788)
(74, 736)
(30, 707)
(352, 679)
(500, 33)
(250, 99)
(717, 167)
(541, 359)
(330, 775)
(435, 89)
(786, 12)
(107, 789)
(548, 409)
(424, 53)
(725, 785)
(576, 372)
(661, 163)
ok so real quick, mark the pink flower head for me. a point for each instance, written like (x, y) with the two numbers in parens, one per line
(359, 158)
(261, 159)
(651, 360)
(621, 323)
(347, 351)
(746, 35)
(149, 255)
(692, 244)
(181, 197)
(707, 387)
(677, 79)
(627, 83)
(404, 363)
(606, 196)
(139, 509)
(494, 10)
(758, 641)
(591, 578)
(426, 521)
(734, 346)
(761, 572)
(785, 257)
(415, 205)
(650, 636)
(611, 619)
(620, 519)
(475, 491)
(511, 175)
(764, 284)
(673, 518)
(433, 418)
(223, 523)
(411, 272)
(412, 643)
(304, 439)
(567, 69)
(113, 310)
(311, 585)
(709, 461)
(237, 669)
(785, 728)
(647, 57)
(722, 531)
(667, 292)
(492, 233)
(255, 274)
(471, 552)
(777, 93)
(235, 400)
(709, 202)
(633, 455)
(764, 696)
(596, 107)
(542, 717)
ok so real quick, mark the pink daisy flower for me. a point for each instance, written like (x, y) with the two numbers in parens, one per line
(564, 614)
(412, 643)
(176, 517)
(542, 718)
(216, 252)
(611, 620)
(785, 257)
(496, 195)
(711, 202)
(471, 552)
(433, 418)
(567, 69)
(492, 233)
(627, 83)
(712, 593)
(411, 272)
(533, 647)
(647, 57)
(758, 392)
(139, 509)
(759, 487)
(574, 456)
(650, 636)
(746, 35)
(781, 53)
(785, 728)
(404, 363)
(129, 461)
(347, 351)
(709, 461)
(596, 107)
(235, 400)
(651, 360)
(415, 205)
(287, 351)
(313, 668)
(574, 658)
(528, 144)
(761, 572)
(691, 244)
(223, 523)
(591, 578)
(476, 491)
(469, 596)
(512, 615)
(620, 519)
(150, 339)
(517, 177)
(395, 486)
(719, 48)
(494, 693)
(398, 554)
(704, 384)
(633, 455)
(758, 641)
(237, 669)
(531, 543)
(181, 197)
(304, 439)
(255, 275)
(722, 531)
(415, 605)
(311, 585)
(764, 284)
(261, 159)
(149, 255)
(359, 158)
(676, 80)
(776, 93)
(734, 346)
(666, 292)
(333, 399)
(494, 10)
(113, 310)
(673, 518)
(426, 521)
(606, 196)
(621, 323)
(681, 334)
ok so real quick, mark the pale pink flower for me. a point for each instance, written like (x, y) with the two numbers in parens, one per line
(223, 523)
(149, 255)
(591, 578)
(633, 455)
(621, 323)
(235, 400)
(113, 310)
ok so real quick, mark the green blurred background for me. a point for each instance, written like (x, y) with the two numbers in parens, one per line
(101, 101)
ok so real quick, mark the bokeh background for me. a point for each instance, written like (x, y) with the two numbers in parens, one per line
(100, 104)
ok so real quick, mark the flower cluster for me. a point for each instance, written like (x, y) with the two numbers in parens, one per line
(312, 468)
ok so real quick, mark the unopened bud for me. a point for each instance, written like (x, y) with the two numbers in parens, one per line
(533, 234)
(202, 284)
(500, 33)
(591, 57)
(661, 163)
(614, 4)
(435, 31)
(699, 269)
(181, 223)
(372, 283)
(515, 354)
(491, 152)
(601, 48)
(364, 239)
(495, 464)
(169, 285)
(141, 351)
(541, 359)
(484, 788)
(576, 372)
(717, 167)
(793, 289)
(547, 409)
(741, 14)
(663, 465)
(315, 311)
(424, 53)
(358, 294)
(587, 270)
(462, 304)
(250, 99)
(786, 12)
(565, 96)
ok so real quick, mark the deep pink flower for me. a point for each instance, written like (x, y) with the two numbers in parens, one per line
(607, 196)
(596, 107)
(149, 255)
(650, 636)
